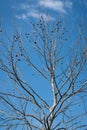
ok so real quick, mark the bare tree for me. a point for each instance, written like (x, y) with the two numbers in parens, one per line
(48, 56)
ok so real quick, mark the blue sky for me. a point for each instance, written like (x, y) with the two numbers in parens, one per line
(23, 10)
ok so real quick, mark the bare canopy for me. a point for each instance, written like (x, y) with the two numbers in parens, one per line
(45, 70)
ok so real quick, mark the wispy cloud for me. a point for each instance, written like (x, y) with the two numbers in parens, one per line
(24, 6)
(31, 10)
(57, 5)
(21, 16)
(34, 14)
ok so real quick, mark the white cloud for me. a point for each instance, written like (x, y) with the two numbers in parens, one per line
(31, 10)
(57, 5)
(34, 14)
(22, 16)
